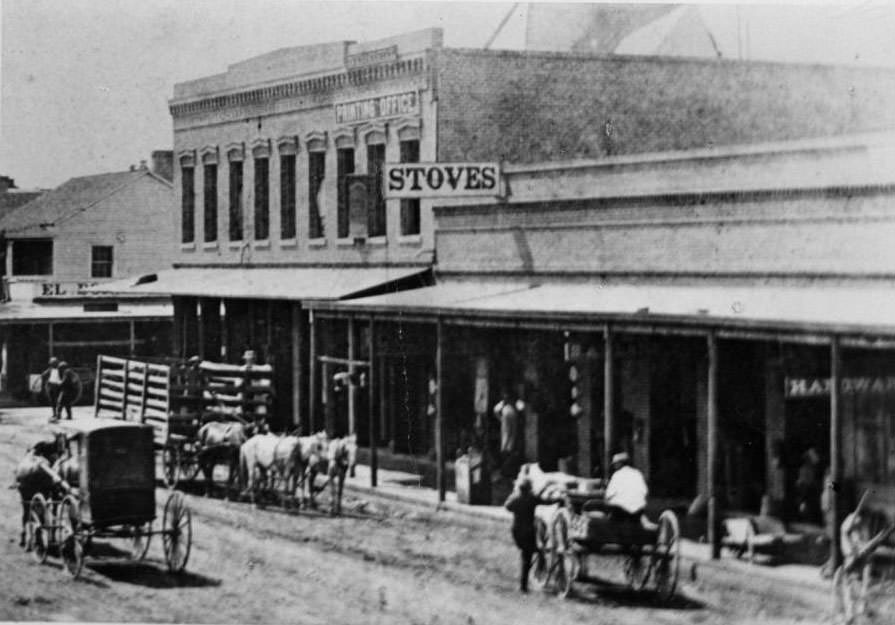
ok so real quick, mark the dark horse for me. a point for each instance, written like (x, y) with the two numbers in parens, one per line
(219, 443)
(34, 474)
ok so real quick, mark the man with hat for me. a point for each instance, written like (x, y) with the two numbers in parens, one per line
(627, 491)
(68, 390)
(522, 503)
(52, 381)
(256, 390)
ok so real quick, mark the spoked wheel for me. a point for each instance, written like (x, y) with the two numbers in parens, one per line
(540, 566)
(665, 560)
(177, 532)
(139, 541)
(564, 563)
(637, 571)
(187, 465)
(71, 544)
(37, 534)
(170, 463)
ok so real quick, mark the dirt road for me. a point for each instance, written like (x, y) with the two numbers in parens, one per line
(380, 563)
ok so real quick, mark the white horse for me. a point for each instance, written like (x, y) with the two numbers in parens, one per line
(267, 457)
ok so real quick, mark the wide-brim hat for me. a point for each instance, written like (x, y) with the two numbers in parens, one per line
(63, 365)
(621, 457)
(53, 361)
(249, 353)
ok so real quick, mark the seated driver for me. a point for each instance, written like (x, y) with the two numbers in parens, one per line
(627, 491)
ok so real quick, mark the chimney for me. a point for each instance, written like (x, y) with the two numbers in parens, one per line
(163, 164)
(6, 183)
(143, 164)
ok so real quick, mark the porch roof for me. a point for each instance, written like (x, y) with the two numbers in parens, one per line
(276, 283)
(866, 311)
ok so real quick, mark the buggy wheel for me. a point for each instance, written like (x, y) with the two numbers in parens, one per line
(665, 560)
(540, 566)
(564, 565)
(170, 462)
(37, 534)
(71, 544)
(637, 572)
(140, 538)
(187, 465)
(177, 532)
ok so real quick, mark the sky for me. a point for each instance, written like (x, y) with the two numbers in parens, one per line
(85, 84)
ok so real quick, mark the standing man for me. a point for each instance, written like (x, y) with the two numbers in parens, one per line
(68, 390)
(505, 412)
(522, 503)
(52, 383)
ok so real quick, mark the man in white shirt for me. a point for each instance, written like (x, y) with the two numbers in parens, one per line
(627, 491)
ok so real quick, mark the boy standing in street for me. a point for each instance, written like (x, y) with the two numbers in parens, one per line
(522, 503)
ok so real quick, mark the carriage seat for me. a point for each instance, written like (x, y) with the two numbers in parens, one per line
(757, 535)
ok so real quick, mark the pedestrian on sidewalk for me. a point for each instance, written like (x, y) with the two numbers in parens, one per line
(522, 503)
(52, 383)
(68, 390)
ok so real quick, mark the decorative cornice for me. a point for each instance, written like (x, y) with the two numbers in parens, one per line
(376, 132)
(407, 127)
(344, 137)
(209, 154)
(235, 152)
(287, 145)
(260, 148)
(315, 140)
(320, 84)
(186, 158)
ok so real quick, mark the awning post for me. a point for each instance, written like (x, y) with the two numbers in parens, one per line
(439, 409)
(296, 366)
(835, 461)
(371, 398)
(352, 387)
(312, 374)
(608, 400)
(712, 435)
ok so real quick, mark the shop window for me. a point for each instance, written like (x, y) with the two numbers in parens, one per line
(344, 168)
(376, 217)
(101, 257)
(210, 199)
(187, 204)
(287, 196)
(262, 204)
(410, 209)
(316, 173)
(32, 258)
(235, 201)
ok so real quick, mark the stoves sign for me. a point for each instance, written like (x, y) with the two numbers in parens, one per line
(441, 180)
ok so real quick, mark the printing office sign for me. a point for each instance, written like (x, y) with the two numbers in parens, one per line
(441, 180)
(392, 105)
(820, 387)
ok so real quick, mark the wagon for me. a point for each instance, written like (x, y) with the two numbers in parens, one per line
(567, 537)
(106, 480)
(176, 398)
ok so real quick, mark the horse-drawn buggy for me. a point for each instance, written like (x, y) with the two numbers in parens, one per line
(99, 483)
(570, 534)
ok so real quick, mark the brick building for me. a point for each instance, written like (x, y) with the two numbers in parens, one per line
(729, 308)
(89, 230)
(277, 161)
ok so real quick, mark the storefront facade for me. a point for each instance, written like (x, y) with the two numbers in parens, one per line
(728, 327)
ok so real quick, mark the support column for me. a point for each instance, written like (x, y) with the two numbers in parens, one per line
(200, 328)
(371, 399)
(608, 399)
(835, 455)
(296, 367)
(352, 387)
(439, 409)
(713, 521)
(312, 374)
(133, 338)
(50, 338)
